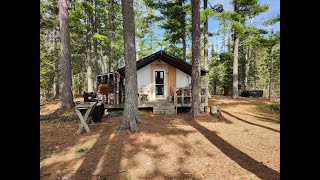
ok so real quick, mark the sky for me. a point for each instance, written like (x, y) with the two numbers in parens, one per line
(274, 10)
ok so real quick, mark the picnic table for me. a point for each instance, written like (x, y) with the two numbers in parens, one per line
(86, 118)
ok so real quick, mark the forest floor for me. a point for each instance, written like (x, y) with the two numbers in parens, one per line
(242, 144)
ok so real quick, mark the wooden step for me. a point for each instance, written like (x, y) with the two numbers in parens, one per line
(171, 111)
(169, 107)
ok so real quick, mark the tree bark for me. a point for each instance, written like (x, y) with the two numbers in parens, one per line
(235, 92)
(247, 65)
(270, 73)
(95, 50)
(255, 69)
(56, 68)
(113, 35)
(102, 61)
(184, 44)
(130, 119)
(217, 45)
(67, 97)
(206, 47)
(246, 69)
(195, 79)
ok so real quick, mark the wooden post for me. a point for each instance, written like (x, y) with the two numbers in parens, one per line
(175, 100)
(117, 93)
(114, 88)
(182, 96)
(206, 100)
(108, 84)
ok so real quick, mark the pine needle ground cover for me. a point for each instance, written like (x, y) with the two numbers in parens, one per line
(244, 143)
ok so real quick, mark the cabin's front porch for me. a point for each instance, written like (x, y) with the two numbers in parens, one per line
(182, 98)
(158, 107)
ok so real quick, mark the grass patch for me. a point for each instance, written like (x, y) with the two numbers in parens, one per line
(274, 107)
(47, 151)
(81, 151)
(197, 142)
(246, 130)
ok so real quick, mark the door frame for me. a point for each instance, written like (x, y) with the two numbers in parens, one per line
(164, 83)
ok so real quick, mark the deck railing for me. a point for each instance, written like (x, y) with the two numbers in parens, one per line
(186, 98)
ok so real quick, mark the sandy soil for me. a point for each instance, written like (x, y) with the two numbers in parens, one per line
(242, 144)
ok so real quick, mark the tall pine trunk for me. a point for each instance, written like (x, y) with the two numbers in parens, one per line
(56, 68)
(184, 43)
(195, 79)
(235, 92)
(206, 47)
(88, 58)
(113, 36)
(255, 69)
(246, 69)
(270, 74)
(184, 46)
(66, 94)
(95, 50)
(130, 118)
(247, 65)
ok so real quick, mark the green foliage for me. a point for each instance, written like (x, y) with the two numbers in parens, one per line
(272, 20)
(274, 107)
(174, 19)
(81, 151)
(145, 20)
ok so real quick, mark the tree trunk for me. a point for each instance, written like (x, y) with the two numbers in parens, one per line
(255, 69)
(56, 69)
(184, 46)
(67, 97)
(246, 69)
(95, 70)
(138, 48)
(103, 63)
(247, 65)
(89, 71)
(130, 119)
(235, 92)
(270, 74)
(195, 79)
(217, 45)
(225, 42)
(206, 47)
(113, 35)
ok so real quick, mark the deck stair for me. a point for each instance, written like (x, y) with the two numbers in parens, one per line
(164, 107)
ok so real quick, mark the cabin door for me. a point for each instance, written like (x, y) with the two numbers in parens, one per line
(159, 84)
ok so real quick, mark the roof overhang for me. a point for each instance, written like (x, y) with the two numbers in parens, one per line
(172, 60)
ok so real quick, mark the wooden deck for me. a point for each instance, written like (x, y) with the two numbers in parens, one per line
(142, 105)
(158, 107)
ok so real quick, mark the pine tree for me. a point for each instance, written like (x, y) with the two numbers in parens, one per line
(130, 118)
(66, 97)
(195, 79)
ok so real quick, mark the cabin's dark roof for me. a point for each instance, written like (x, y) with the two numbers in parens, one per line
(172, 60)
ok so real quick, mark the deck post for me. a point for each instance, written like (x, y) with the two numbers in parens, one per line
(175, 100)
(117, 92)
(182, 96)
(114, 88)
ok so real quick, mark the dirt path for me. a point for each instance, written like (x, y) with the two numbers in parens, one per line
(243, 144)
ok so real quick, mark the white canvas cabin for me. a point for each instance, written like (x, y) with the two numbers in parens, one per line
(163, 81)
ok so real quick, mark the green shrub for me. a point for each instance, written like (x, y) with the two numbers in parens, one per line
(274, 107)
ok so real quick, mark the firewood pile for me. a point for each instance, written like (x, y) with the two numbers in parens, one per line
(187, 92)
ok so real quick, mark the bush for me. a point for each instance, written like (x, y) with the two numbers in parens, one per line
(274, 107)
